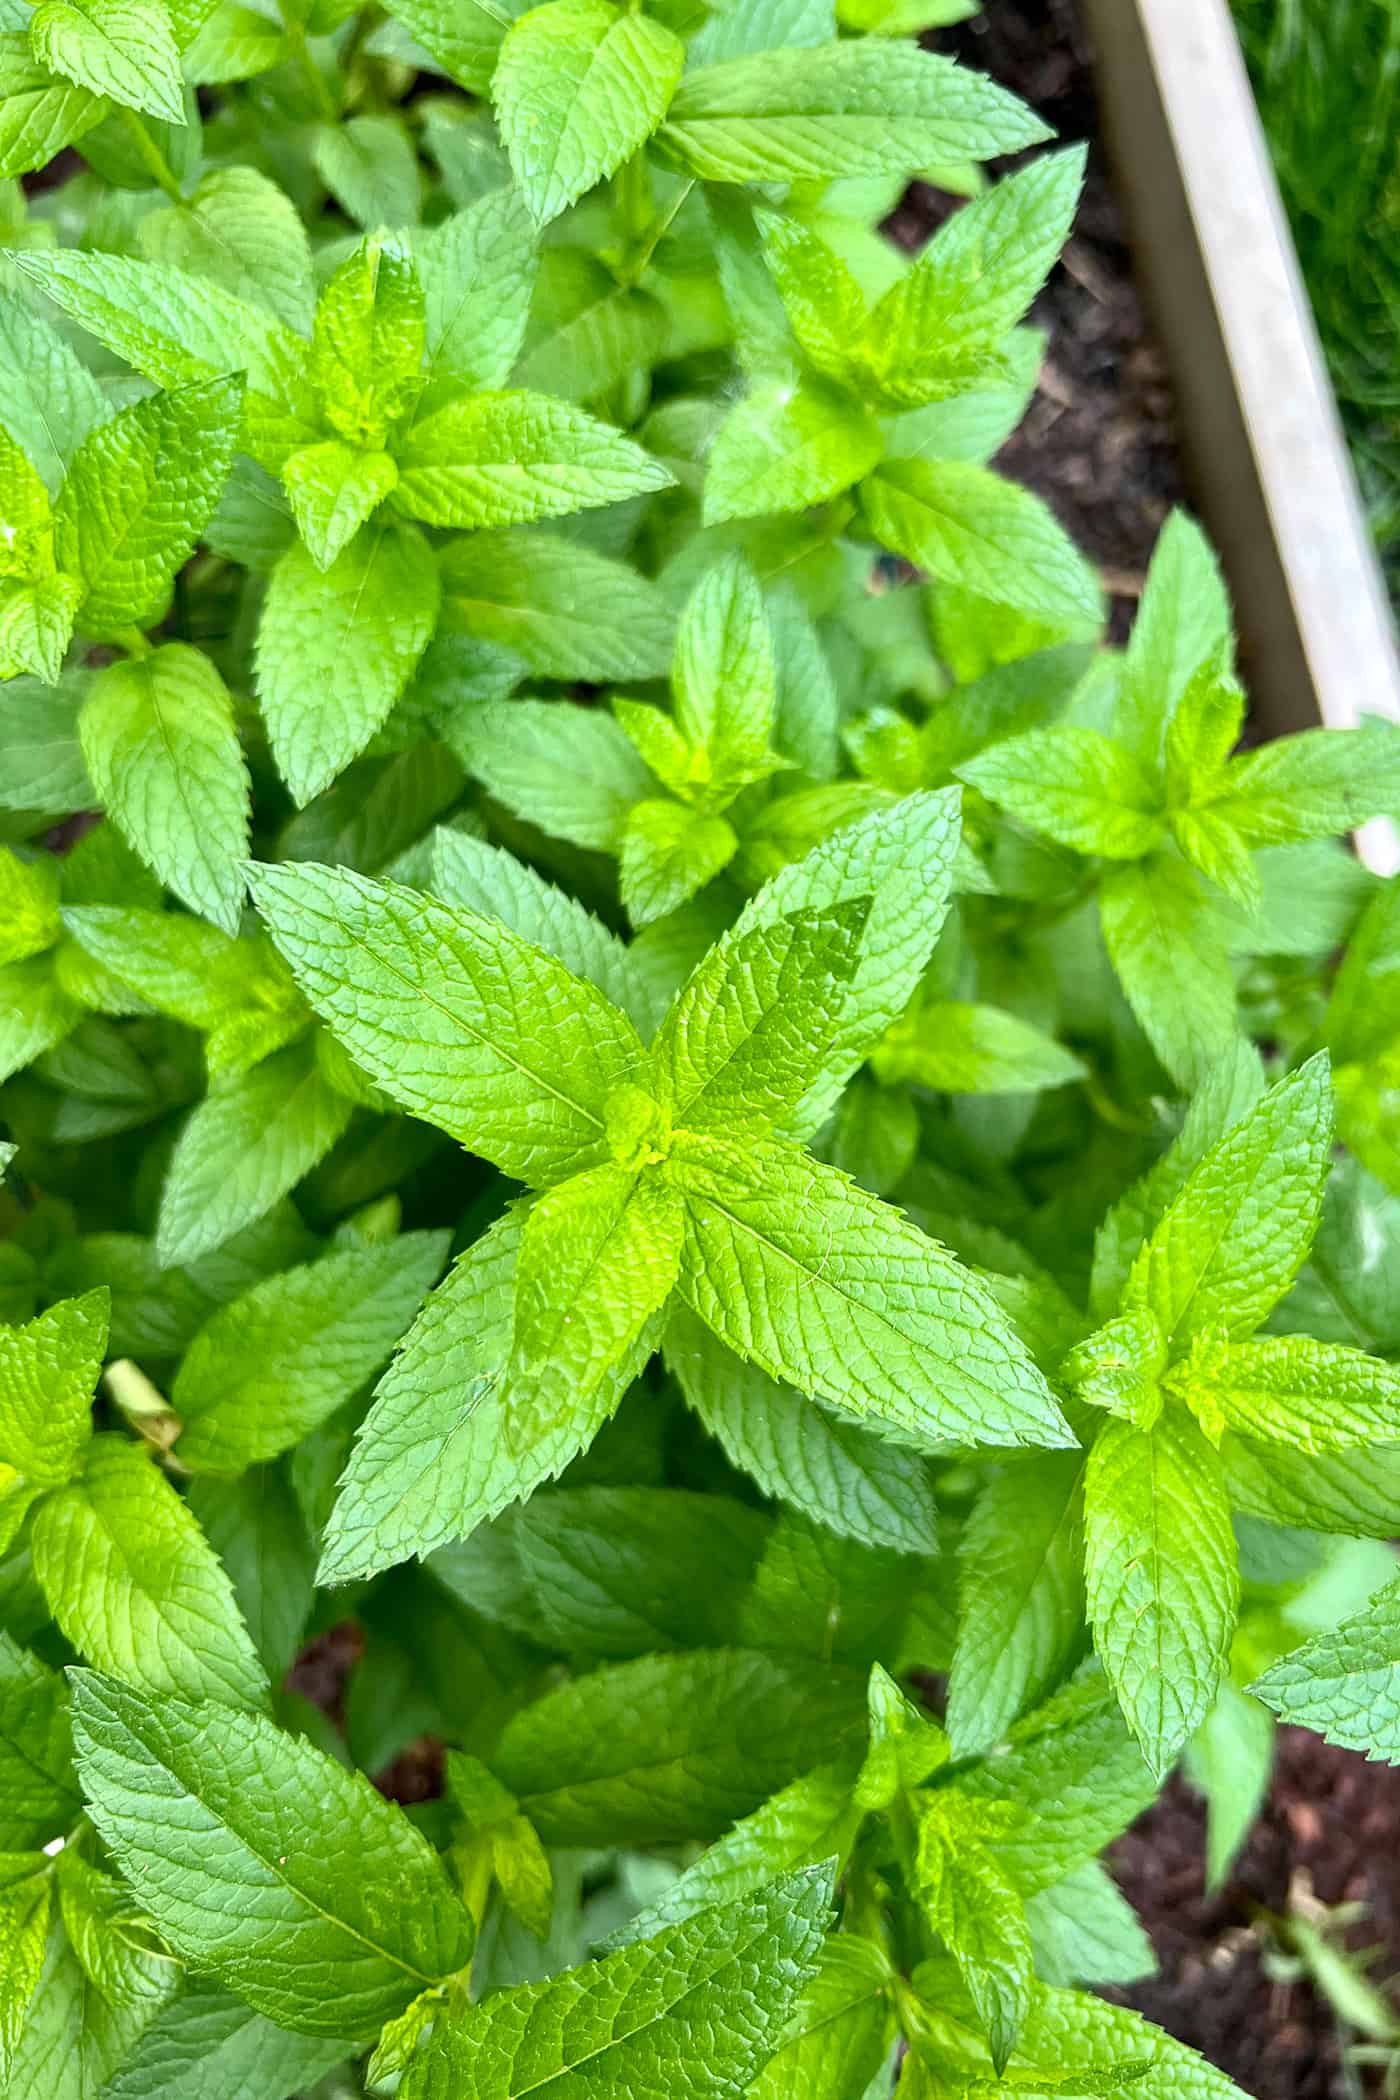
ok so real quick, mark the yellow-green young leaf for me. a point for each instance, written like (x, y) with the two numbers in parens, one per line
(830, 1290)
(122, 48)
(48, 1370)
(1164, 938)
(1346, 1682)
(136, 1587)
(579, 87)
(694, 2012)
(668, 854)
(673, 1747)
(333, 488)
(469, 873)
(934, 330)
(566, 611)
(138, 496)
(969, 527)
(823, 300)
(1078, 786)
(38, 1792)
(264, 1862)
(570, 770)
(178, 328)
(25, 515)
(1287, 1389)
(337, 647)
(724, 677)
(862, 107)
(975, 1910)
(752, 1027)
(599, 1256)
(160, 744)
(459, 1020)
(29, 920)
(244, 1148)
(36, 625)
(505, 459)
(1312, 785)
(1184, 617)
(240, 231)
(955, 1047)
(39, 115)
(35, 1011)
(1234, 1236)
(1021, 1595)
(276, 1363)
(1161, 1576)
(370, 334)
(24, 1931)
(1204, 730)
(858, 1485)
(784, 447)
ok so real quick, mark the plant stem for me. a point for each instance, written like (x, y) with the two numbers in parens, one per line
(300, 49)
(151, 156)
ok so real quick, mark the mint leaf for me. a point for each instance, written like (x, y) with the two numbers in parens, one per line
(336, 647)
(353, 1914)
(1314, 1396)
(969, 527)
(1077, 786)
(473, 876)
(668, 854)
(955, 1047)
(39, 115)
(785, 447)
(838, 2035)
(133, 1583)
(571, 770)
(1183, 618)
(577, 91)
(842, 1297)
(159, 742)
(477, 270)
(334, 488)
(277, 1362)
(972, 1906)
(209, 2034)
(506, 459)
(566, 611)
(1166, 946)
(122, 48)
(38, 1791)
(48, 1369)
(668, 2007)
(428, 1001)
(255, 1525)
(1345, 1683)
(1161, 1576)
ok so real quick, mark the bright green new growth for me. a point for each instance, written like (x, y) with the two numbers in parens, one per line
(641, 1135)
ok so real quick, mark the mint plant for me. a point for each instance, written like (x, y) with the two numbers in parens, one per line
(640, 1082)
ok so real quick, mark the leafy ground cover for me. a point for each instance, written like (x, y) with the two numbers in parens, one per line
(666, 1110)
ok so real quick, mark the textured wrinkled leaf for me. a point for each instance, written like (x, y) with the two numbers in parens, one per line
(48, 1370)
(969, 527)
(39, 1797)
(39, 115)
(49, 401)
(567, 612)
(265, 1862)
(334, 488)
(477, 270)
(577, 90)
(1166, 946)
(1287, 1389)
(838, 2035)
(209, 2035)
(474, 876)
(506, 459)
(1077, 785)
(571, 770)
(135, 1586)
(160, 745)
(241, 232)
(272, 1366)
(956, 1047)
(122, 48)
(431, 1003)
(1346, 1683)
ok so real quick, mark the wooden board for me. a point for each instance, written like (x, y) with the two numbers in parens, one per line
(1260, 431)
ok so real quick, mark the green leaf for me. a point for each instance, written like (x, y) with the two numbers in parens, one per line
(336, 648)
(465, 39)
(276, 1363)
(1021, 1595)
(36, 625)
(208, 2034)
(369, 165)
(935, 328)
(39, 1797)
(505, 459)
(785, 447)
(969, 527)
(724, 678)
(48, 1370)
(823, 301)
(1183, 618)
(1077, 786)
(1084, 1931)
(830, 1290)
(433, 1005)
(436, 1454)
(472, 876)
(570, 770)
(567, 612)
(1161, 1576)
(256, 1527)
(139, 493)
(1311, 785)
(858, 1485)
(24, 1930)
(599, 1256)
(49, 401)
(35, 1012)
(578, 89)
(973, 1907)
(265, 1862)
(1230, 1242)
(134, 1585)
(1364, 1015)
(334, 488)
(241, 232)
(838, 2035)
(477, 270)
(856, 108)
(1287, 1389)
(368, 341)
(1345, 1683)
(122, 48)
(74, 2036)
(39, 115)
(668, 854)
(673, 1746)
(700, 2007)
(752, 1028)
(1165, 943)
(244, 1149)
(159, 741)
(1230, 1760)
(1344, 1492)
(955, 1047)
